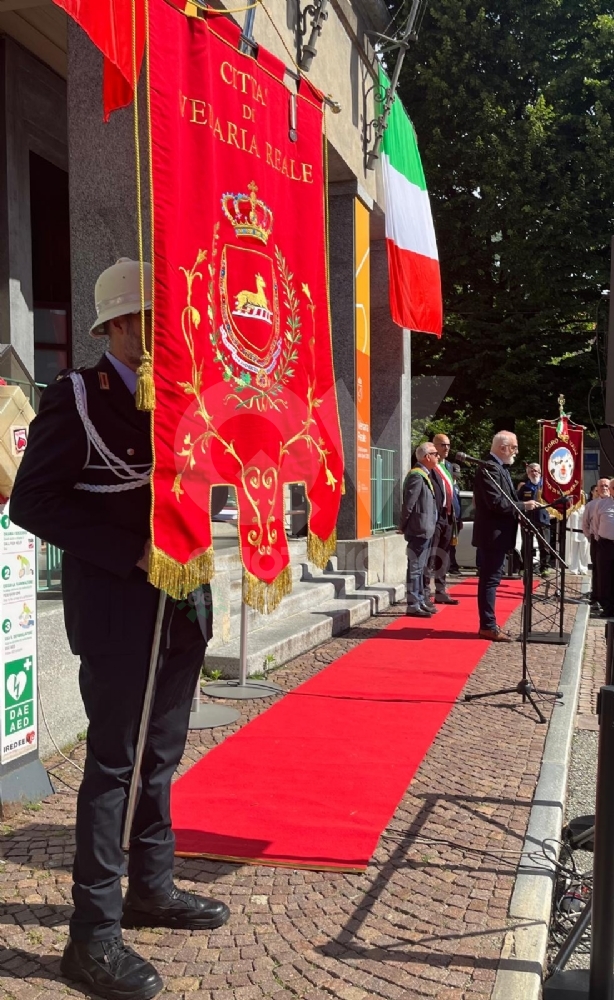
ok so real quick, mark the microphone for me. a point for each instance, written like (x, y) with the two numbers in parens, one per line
(462, 457)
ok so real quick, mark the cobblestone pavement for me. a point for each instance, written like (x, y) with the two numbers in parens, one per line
(593, 675)
(427, 919)
(581, 789)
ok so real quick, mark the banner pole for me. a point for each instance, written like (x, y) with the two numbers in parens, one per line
(144, 724)
(243, 646)
(243, 689)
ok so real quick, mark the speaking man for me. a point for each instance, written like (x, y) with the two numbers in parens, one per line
(84, 485)
(494, 527)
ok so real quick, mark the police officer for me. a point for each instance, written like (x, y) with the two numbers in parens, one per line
(531, 489)
(84, 485)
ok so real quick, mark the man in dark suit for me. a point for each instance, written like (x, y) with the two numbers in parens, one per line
(418, 521)
(439, 555)
(494, 527)
(84, 485)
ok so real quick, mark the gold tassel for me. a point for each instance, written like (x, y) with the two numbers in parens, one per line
(179, 579)
(318, 551)
(265, 597)
(145, 389)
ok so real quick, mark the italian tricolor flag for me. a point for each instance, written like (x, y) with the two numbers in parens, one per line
(413, 262)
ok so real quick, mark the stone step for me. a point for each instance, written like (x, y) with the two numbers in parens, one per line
(229, 559)
(286, 637)
(309, 588)
(305, 596)
(236, 579)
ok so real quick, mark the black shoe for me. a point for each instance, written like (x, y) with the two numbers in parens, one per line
(176, 909)
(432, 610)
(445, 599)
(418, 613)
(110, 969)
(454, 571)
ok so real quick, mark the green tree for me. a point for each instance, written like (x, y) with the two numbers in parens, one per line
(513, 107)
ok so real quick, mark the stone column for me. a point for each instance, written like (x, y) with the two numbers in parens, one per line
(103, 216)
(342, 198)
(32, 119)
(390, 374)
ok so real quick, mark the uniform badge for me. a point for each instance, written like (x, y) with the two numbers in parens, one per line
(103, 379)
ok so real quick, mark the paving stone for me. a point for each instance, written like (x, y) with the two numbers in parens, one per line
(427, 919)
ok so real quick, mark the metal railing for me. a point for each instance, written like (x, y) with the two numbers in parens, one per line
(49, 562)
(382, 489)
(31, 389)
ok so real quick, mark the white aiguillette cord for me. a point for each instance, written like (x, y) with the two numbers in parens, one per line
(115, 465)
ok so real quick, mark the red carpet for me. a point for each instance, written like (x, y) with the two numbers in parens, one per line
(313, 781)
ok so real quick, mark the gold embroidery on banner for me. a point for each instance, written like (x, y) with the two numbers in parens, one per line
(260, 487)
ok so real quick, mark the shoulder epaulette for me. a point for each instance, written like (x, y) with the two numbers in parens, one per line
(66, 372)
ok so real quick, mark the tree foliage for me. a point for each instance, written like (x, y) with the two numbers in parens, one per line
(513, 106)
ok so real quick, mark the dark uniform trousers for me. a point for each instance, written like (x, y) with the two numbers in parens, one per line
(112, 688)
(110, 611)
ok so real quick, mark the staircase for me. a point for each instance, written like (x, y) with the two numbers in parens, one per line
(321, 605)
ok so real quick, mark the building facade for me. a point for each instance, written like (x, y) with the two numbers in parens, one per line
(68, 210)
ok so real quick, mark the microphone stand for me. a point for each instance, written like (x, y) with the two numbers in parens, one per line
(558, 638)
(524, 686)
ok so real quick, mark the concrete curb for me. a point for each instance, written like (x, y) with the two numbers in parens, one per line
(520, 972)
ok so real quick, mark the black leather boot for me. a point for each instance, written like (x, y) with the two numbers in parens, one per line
(176, 909)
(110, 969)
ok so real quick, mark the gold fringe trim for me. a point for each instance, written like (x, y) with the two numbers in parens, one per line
(318, 551)
(343, 486)
(179, 579)
(145, 389)
(557, 514)
(265, 597)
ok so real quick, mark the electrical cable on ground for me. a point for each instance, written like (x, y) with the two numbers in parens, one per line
(50, 734)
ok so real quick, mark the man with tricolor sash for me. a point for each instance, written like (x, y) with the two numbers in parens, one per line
(418, 522)
(439, 555)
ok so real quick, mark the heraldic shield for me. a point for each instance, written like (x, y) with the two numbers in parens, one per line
(244, 384)
(249, 304)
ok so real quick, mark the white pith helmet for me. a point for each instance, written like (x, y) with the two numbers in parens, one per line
(118, 292)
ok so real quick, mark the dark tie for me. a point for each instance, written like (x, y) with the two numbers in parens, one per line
(508, 477)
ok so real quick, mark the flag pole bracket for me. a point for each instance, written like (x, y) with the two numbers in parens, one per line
(402, 43)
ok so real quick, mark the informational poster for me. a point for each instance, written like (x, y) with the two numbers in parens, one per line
(18, 690)
(363, 368)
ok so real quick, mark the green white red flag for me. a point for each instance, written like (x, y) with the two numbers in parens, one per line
(413, 261)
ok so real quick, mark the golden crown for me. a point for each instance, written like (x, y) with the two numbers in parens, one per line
(248, 214)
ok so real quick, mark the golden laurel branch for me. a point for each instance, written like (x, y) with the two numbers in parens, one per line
(252, 479)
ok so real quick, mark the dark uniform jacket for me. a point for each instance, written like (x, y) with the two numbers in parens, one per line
(495, 521)
(530, 491)
(107, 599)
(419, 511)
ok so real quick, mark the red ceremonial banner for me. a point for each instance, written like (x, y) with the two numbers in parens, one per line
(109, 24)
(562, 461)
(244, 383)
